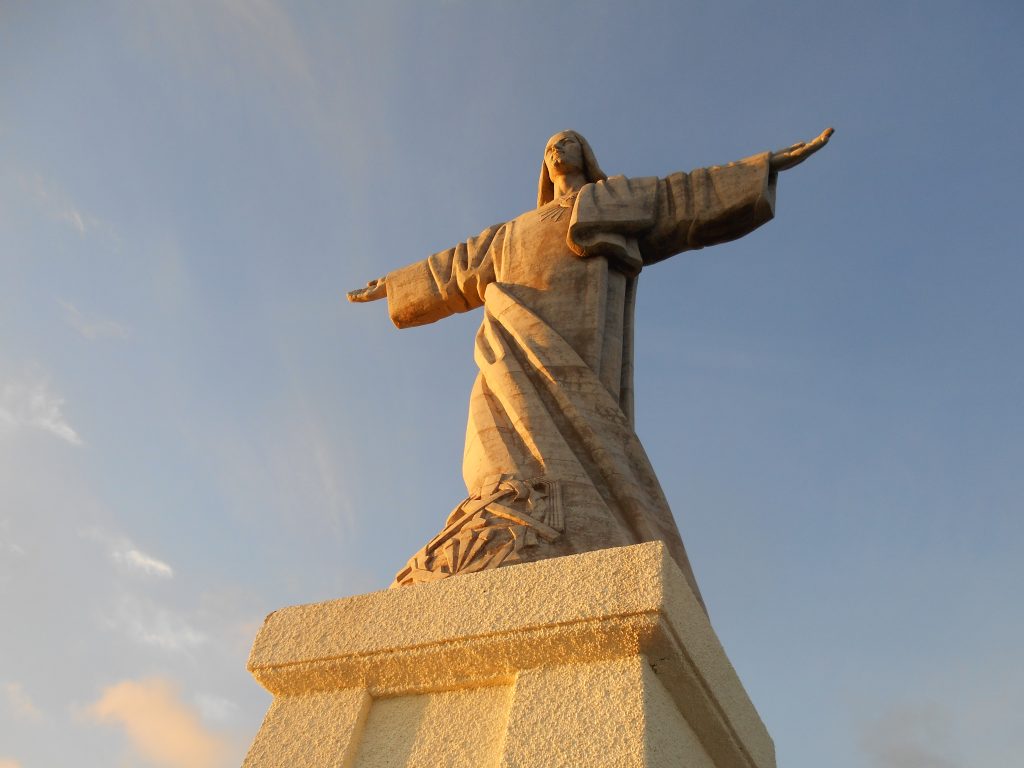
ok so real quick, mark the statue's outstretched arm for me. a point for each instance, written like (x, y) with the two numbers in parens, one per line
(793, 155)
(375, 289)
(450, 281)
(714, 205)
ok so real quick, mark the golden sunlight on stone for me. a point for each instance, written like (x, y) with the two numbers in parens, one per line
(599, 659)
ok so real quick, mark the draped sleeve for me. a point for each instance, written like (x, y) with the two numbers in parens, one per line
(451, 281)
(641, 221)
(709, 206)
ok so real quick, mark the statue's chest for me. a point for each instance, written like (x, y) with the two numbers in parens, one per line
(538, 256)
(563, 290)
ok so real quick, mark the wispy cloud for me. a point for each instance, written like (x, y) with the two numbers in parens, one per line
(215, 709)
(18, 703)
(124, 554)
(140, 561)
(160, 727)
(910, 737)
(7, 544)
(137, 617)
(150, 624)
(14, 549)
(58, 206)
(92, 326)
(29, 402)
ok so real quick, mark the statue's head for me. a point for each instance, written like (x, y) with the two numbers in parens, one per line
(566, 152)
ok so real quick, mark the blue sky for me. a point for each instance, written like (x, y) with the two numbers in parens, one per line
(196, 429)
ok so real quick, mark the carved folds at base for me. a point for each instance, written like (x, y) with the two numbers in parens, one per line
(488, 529)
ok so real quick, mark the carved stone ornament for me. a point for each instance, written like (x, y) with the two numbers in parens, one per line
(489, 529)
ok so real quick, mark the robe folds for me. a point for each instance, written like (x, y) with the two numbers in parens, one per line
(552, 463)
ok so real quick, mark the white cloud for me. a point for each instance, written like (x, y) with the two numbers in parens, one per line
(19, 704)
(154, 625)
(140, 561)
(160, 727)
(6, 544)
(57, 205)
(14, 549)
(30, 403)
(215, 709)
(91, 326)
(126, 555)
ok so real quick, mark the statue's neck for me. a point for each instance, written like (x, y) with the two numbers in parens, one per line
(568, 183)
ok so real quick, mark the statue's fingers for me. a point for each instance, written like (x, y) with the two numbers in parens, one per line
(790, 148)
(800, 154)
(821, 140)
(794, 158)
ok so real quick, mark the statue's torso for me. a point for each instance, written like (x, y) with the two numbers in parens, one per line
(579, 298)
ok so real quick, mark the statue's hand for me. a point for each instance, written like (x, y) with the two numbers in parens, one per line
(786, 158)
(375, 289)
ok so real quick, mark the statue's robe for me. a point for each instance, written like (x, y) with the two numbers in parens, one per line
(552, 462)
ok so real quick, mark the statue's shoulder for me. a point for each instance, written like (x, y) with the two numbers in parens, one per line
(626, 185)
(616, 191)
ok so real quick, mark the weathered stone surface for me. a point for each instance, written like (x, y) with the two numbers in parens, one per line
(552, 463)
(599, 659)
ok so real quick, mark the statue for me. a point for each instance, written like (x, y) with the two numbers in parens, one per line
(552, 463)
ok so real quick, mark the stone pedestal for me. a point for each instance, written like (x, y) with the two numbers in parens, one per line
(599, 659)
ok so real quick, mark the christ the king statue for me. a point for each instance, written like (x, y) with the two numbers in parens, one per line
(552, 463)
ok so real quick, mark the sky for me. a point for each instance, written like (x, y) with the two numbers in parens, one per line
(196, 429)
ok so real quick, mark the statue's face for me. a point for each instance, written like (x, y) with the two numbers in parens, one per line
(563, 155)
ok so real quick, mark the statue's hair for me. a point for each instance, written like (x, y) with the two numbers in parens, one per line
(591, 170)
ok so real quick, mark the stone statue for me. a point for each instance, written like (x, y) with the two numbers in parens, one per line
(552, 463)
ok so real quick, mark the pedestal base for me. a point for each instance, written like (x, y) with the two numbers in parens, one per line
(599, 659)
